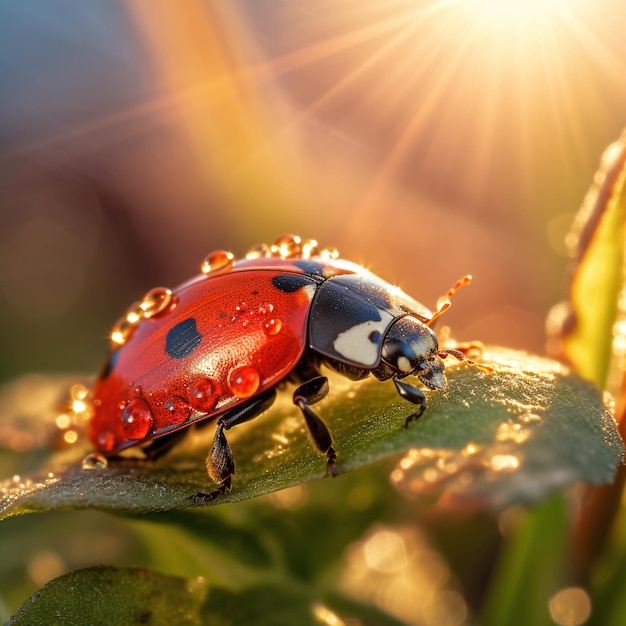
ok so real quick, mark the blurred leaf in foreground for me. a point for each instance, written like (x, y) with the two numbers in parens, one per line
(110, 596)
(491, 439)
(583, 329)
(588, 330)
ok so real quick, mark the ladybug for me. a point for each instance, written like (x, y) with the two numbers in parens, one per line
(217, 347)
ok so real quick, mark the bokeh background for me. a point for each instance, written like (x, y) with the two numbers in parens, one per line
(426, 139)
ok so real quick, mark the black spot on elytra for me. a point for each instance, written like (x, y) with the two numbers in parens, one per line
(182, 339)
(290, 282)
(311, 268)
(109, 366)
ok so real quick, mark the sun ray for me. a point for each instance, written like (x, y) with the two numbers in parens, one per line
(513, 59)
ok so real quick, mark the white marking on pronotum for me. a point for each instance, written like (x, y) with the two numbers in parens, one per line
(355, 344)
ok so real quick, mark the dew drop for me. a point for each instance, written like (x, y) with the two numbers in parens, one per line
(95, 461)
(287, 246)
(273, 326)
(134, 314)
(178, 408)
(329, 254)
(309, 248)
(156, 301)
(217, 260)
(204, 394)
(136, 419)
(260, 251)
(122, 330)
(244, 381)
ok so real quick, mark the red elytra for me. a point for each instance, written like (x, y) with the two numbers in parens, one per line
(250, 335)
(217, 346)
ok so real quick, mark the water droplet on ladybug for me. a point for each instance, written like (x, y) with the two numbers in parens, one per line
(204, 394)
(273, 326)
(95, 461)
(260, 251)
(134, 314)
(121, 332)
(244, 381)
(287, 246)
(157, 300)
(136, 419)
(217, 260)
(309, 248)
(178, 409)
(329, 254)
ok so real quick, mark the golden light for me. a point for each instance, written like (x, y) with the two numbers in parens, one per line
(570, 606)
(538, 7)
(71, 436)
(396, 569)
(425, 84)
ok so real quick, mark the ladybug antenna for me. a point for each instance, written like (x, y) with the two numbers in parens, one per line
(444, 303)
(461, 356)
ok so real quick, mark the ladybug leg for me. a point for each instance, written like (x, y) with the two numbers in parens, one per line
(220, 463)
(309, 393)
(412, 394)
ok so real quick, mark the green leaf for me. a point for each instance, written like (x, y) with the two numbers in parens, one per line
(588, 330)
(110, 596)
(583, 328)
(531, 567)
(489, 439)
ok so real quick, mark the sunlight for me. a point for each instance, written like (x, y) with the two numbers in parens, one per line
(425, 82)
(538, 6)
(516, 13)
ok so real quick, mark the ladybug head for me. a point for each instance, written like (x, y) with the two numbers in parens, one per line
(410, 348)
